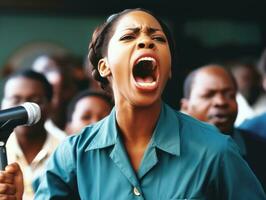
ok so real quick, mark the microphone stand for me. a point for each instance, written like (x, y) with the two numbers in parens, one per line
(4, 134)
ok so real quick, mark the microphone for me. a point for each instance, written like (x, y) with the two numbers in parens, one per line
(26, 114)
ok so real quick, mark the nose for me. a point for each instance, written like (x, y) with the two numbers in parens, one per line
(220, 100)
(146, 43)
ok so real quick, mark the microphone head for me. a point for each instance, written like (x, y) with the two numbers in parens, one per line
(34, 112)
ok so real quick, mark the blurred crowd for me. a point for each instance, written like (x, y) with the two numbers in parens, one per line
(69, 100)
(229, 95)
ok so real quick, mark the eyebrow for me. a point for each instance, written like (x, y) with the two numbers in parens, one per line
(226, 89)
(149, 30)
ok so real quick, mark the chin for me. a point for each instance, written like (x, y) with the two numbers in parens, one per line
(146, 101)
(224, 129)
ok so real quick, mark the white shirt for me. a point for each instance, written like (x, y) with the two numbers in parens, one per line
(244, 109)
(50, 127)
(259, 106)
(36, 167)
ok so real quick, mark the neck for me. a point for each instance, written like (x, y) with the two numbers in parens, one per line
(59, 121)
(137, 123)
(136, 126)
(31, 141)
(229, 131)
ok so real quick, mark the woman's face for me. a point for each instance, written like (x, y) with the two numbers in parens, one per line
(138, 62)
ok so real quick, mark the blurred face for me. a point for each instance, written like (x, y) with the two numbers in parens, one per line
(60, 81)
(19, 90)
(48, 67)
(88, 110)
(138, 62)
(264, 82)
(247, 79)
(56, 80)
(213, 99)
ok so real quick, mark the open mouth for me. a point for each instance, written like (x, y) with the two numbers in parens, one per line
(145, 73)
(221, 118)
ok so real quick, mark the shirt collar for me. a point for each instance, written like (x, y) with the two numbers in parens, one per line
(106, 133)
(47, 148)
(12, 143)
(166, 134)
(165, 137)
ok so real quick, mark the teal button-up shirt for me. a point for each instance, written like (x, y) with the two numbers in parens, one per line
(185, 159)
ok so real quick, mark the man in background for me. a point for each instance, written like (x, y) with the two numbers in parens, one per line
(57, 70)
(29, 146)
(210, 96)
(257, 125)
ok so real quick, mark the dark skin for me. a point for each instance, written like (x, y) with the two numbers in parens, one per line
(10, 179)
(29, 144)
(137, 100)
(88, 110)
(214, 90)
(17, 91)
(60, 78)
(136, 140)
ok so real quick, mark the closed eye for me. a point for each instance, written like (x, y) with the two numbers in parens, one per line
(86, 117)
(230, 95)
(208, 94)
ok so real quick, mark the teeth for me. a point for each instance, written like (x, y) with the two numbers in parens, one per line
(146, 84)
(153, 61)
(147, 58)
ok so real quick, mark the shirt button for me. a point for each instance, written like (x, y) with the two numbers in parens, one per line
(136, 191)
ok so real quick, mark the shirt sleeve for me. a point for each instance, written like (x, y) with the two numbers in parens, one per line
(235, 179)
(59, 179)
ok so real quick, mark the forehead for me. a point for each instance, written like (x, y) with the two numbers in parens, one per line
(22, 85)
(137, 19)
(213, 79)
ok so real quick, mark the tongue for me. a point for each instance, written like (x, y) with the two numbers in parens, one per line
(147, 79)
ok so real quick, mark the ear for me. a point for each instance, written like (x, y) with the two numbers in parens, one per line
(184, 105)
(103, 68)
